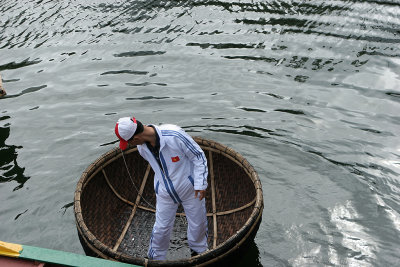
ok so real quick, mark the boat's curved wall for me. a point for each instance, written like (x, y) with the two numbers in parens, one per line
(114, 210)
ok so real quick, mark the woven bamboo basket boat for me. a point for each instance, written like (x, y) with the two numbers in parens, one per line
(114, 221)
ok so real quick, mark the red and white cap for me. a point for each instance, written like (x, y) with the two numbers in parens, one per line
(125, 129)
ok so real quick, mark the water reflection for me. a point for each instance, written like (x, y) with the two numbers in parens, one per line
(247, 255)
(9, 169)
(317, 79)
(355, 239)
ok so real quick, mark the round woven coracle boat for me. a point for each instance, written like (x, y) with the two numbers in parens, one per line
(115, 210)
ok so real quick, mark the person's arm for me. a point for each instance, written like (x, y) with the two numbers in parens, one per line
(193, 151)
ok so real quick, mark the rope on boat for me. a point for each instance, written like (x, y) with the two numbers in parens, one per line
(137, 190)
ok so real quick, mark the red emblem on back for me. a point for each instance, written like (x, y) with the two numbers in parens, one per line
(175, 159)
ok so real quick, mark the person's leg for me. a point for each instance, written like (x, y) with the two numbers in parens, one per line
(197, 232)
(160, 237)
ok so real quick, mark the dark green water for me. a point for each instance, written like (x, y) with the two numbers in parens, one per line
(307, 91)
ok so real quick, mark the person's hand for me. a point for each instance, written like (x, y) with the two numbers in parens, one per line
(201, 193)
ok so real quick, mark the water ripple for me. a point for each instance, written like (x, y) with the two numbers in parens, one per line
(306, 90)
(27, 91)
(17, 65)
(139, 53)
(145, 84)
(125, 72)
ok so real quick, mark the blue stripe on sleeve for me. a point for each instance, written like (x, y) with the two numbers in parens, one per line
(189, 145)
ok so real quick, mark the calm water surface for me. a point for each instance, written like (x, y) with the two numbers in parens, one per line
(307, 91)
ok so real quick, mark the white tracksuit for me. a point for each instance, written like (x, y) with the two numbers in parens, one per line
(180, 169)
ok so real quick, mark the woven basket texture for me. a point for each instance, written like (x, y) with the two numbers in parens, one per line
(112, 227)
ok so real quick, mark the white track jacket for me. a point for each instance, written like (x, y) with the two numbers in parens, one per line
(180, 160)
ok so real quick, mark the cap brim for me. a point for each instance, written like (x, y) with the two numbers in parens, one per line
(123, 144)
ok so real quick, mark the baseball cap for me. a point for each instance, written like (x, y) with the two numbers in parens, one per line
(126, 128)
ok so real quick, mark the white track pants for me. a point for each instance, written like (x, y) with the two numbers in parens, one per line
(196, 215)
